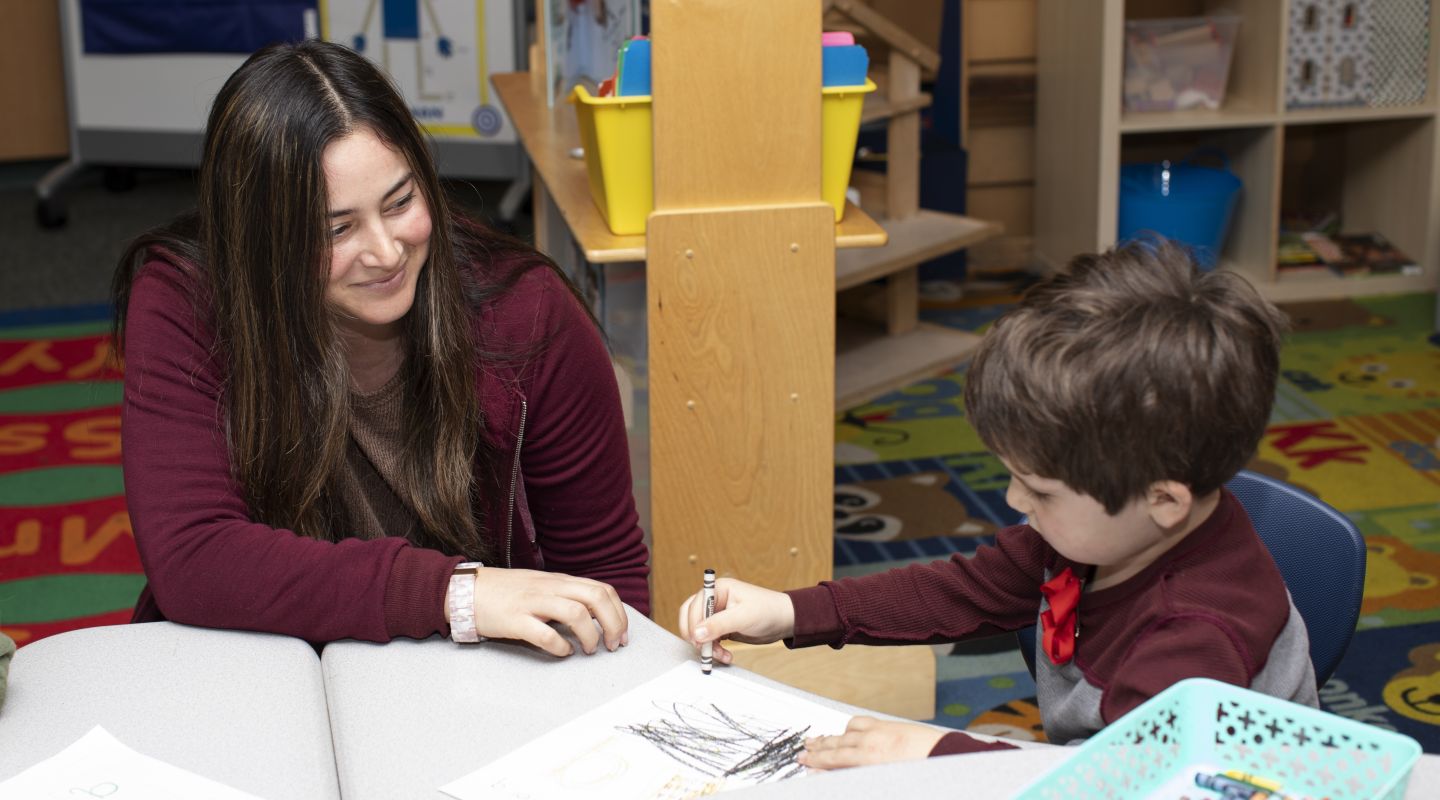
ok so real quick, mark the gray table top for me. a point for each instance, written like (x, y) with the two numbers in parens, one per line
(216, 703)
(395, 720)
(397, 736)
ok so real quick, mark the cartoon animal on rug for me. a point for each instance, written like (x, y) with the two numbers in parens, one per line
(1415, 692)
(1016, 719)
(853, 427)
(915, 506)
(1399, 576)
(1321, 316)
(1394, 375)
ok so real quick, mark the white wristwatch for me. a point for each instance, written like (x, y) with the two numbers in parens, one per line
(461, 601)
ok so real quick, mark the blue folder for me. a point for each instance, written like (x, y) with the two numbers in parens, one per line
(843, 65)
(634, 69)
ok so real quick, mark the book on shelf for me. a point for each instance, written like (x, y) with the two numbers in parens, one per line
(1345, 254)
(1295, 254)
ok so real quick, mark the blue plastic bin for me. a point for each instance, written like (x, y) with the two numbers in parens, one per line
(1179, 200)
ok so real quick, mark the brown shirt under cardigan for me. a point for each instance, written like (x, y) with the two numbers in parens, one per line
(374, 508)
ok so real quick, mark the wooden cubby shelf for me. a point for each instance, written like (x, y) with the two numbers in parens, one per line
(871, 358)
(1379, 168)
(1198, 119)
(927, 235)
(870, 361)
(877, 107)
(1306, 116)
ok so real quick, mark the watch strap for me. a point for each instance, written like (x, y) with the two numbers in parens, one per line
(461, 603)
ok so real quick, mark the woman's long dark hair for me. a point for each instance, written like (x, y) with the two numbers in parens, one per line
(257, 247)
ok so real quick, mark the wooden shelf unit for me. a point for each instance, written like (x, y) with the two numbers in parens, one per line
(1387, 177)
(877, 361)
(740, 293)
(927, 235)
(915, 235)
(874, 359)
(550, 134)
(740, 303)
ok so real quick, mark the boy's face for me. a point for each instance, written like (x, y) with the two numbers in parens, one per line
(1079, 528)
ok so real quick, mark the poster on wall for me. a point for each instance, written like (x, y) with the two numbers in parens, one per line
(439, 52)
(583, 40)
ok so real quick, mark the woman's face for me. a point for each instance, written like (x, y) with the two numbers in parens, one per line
(379, 229)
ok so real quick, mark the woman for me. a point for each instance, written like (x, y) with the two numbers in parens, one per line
(339, 396)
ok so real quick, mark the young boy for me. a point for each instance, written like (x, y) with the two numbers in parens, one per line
(1121, 396)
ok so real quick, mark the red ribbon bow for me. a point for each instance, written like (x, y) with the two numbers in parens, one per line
(1059, 622)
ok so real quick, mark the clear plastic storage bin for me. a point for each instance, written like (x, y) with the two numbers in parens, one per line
(1177, 64)
(1205, 726)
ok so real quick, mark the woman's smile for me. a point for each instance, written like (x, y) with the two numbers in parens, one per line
(386, 284)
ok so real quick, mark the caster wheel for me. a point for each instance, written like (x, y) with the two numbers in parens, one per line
(50, 213)
(119, 179)
(444, 46)
(358, 43)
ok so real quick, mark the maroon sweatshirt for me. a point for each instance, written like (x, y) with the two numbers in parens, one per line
(555, 420)
(1213, 606)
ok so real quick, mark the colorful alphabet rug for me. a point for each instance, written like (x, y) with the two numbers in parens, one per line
(67, 557)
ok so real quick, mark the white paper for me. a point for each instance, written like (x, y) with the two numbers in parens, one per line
(683, 734)
(98, 765)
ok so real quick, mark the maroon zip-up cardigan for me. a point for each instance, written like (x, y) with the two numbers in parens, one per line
(555, 419)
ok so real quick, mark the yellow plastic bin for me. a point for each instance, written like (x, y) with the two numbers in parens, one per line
(615, 132)
(839, 127)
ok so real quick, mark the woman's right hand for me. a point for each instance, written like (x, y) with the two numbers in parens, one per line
(743, 612)
(521, 604)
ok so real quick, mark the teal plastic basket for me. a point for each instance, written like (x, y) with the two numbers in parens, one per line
(1201, 725)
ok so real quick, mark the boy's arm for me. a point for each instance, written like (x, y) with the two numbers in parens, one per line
(1181, 646)
(868, 740)
(958, 742)
(996, 590)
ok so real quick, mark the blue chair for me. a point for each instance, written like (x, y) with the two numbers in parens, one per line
(1320, 553)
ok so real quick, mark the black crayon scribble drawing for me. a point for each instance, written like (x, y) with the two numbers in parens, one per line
(707, 739)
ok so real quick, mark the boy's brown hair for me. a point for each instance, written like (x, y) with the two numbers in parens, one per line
(1130, 367)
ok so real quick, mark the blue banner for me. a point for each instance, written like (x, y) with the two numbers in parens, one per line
(122, 27)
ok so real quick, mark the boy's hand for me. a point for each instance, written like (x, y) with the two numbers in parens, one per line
(743, 612)
(867, 740)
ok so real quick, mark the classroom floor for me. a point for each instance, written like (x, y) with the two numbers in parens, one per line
(1356, 422)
